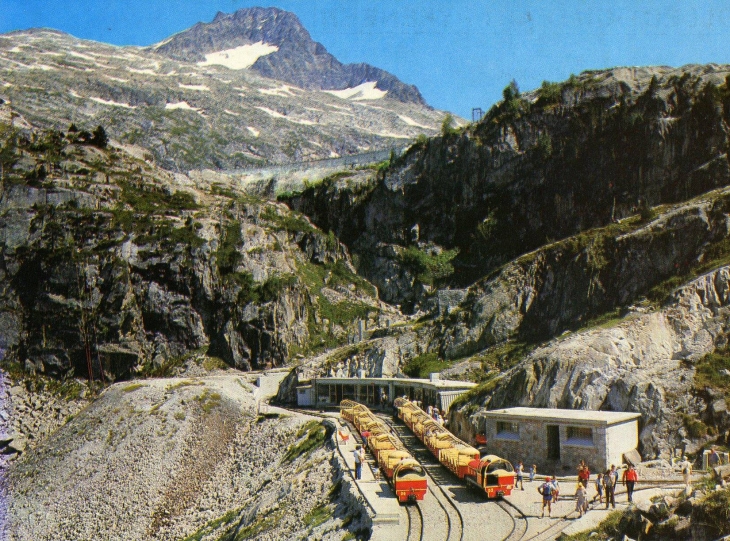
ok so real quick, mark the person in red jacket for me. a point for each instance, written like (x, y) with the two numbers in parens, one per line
(584, 474)
(630, 477)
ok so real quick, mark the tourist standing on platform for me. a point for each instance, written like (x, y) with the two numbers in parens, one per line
(357, 455)
(520, 471)
(599, 488)
(609, 488)
(584, 475)
(533, 472)
(546, 489)
(556, 489)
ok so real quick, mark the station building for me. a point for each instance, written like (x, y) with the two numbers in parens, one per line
(380, 392)
(556, 440)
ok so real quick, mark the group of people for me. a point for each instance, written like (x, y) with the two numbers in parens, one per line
(520, 473)
(436, 415)
(605, 484)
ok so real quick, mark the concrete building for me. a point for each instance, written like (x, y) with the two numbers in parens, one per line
(380, 392)
(557, 439)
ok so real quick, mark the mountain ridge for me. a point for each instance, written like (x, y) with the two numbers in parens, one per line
(299, 59)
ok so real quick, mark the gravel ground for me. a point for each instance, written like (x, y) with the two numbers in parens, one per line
(165, 459)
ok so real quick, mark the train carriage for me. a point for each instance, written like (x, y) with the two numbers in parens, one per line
(492, 475)
(404, 473)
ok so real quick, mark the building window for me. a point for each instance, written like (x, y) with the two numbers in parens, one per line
(579, 435)
(508, 431)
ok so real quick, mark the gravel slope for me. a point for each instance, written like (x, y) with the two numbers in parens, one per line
(170, 458)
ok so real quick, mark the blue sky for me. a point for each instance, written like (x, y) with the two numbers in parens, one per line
(460, 53)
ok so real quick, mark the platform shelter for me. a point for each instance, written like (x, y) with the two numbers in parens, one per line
(380, 392)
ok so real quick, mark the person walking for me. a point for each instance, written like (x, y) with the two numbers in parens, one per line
(630, 477)
(520, 471)
(609, 489)
(599, 488)
(357, 455)
(546, 490)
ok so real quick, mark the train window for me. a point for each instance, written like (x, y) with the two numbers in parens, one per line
(579, 435)
(506, 430)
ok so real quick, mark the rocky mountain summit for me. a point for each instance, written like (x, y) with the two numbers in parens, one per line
(288, 53)
(187, 115)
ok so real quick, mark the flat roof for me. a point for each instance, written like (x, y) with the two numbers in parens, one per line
(556, 415)
(439, 383)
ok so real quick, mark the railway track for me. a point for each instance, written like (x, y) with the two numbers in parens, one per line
(519, 521)
(454, 512)
(415, 523)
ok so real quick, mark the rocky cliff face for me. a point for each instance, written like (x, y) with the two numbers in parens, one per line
(298, 59)
(643, 364)
(540, 167)
(110, 262)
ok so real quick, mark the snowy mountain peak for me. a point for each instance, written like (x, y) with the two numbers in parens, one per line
(246, 39)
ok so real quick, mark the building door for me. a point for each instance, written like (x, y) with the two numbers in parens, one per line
(553, 442)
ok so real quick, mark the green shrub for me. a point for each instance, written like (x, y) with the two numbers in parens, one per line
(428, 266)
(228, 255)
(423, 365)
(549, 93)
(306, 444)
(714, 513)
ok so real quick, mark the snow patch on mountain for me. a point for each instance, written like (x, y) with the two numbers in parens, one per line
(253, 130)
(239, 58)
(182, 105)
(283, 90)
(110, 102)
(364, 91)
(408, 120)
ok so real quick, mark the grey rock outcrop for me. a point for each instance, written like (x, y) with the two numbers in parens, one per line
(643, 364)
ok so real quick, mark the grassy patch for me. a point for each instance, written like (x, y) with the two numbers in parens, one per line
(183, 383)
(712, 371)
(208, 400)
(423, 365)
(214, 363)
(132, 387)
(429, 266)
(695, 427)
(311, 436)
(213, 525)
(263, 524)
(318, 516)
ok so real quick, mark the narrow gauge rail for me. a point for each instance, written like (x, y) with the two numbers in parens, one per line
(415, 523)
(398, 466)
(446, 506)
(490, 474)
